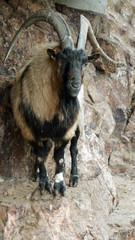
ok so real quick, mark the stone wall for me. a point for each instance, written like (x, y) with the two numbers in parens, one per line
(88, 6)
(123, 156)
(108, 128)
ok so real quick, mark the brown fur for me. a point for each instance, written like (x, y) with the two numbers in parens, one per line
(15, 101)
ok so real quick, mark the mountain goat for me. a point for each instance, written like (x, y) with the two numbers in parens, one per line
(45, 96)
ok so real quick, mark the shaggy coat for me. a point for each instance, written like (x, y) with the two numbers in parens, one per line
(46, 108)
(37, 100)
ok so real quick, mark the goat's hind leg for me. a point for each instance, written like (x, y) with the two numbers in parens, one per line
(41, 158)
(36, 171)
(73, 181)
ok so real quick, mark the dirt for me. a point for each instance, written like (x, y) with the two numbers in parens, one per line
(122, 219)
(24, 205)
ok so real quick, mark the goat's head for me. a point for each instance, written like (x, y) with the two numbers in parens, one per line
(71, 62)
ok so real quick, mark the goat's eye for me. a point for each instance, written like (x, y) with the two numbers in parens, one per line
(84, 62)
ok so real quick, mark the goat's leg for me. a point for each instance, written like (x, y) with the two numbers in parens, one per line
(36, 171)
(59, 185)
(73, 181)
(41, 158)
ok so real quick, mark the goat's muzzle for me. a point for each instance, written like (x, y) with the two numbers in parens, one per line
(73, 88)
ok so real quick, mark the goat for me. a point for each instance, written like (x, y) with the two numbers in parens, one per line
(45, 97)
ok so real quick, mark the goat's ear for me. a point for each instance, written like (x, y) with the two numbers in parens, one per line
(51, 53)
(93, 57)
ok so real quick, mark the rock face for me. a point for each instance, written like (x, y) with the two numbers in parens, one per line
(122, 158)
(122, 220)
(107, 136)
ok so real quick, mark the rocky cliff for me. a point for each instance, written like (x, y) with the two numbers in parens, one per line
(106, 148)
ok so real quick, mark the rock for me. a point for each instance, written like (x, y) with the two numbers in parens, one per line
(36, 195)
(121, 221)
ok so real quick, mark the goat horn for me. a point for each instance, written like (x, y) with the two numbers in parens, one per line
(84, 25)
(55, 19)
(86, 29)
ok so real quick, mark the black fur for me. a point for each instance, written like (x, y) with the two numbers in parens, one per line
(55, 128)
(71, 70)
(74, 151)
(77, 57)
(42, 151)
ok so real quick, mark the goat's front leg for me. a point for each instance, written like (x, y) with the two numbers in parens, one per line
(73, 181)
(59, 185)
(41, 158)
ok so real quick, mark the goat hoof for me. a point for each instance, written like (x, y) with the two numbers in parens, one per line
(42, 187)
(73, 181)
(45, 184)
(56, 192)
(48, 187)
(36, 176)
(59, 188)
(42, 192)
(63, 192)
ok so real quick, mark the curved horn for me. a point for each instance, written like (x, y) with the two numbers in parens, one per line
(49, 16)
(86, 29)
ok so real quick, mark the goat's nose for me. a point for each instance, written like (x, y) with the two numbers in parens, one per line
(75, 85)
